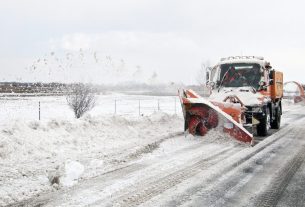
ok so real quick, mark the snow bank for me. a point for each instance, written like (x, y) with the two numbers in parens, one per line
(37, 152)
(26, 140)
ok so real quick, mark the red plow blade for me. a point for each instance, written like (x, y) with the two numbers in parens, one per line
(202, 115)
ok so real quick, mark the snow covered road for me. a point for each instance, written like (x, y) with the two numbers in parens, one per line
(214, 171)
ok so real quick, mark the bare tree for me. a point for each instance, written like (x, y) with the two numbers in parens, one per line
(81, 99)
(201, 74)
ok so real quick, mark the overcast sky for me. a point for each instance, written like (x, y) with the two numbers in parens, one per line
(166, 40)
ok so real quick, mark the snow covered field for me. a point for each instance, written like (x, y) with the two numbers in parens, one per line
(55, 107)
(103, 159)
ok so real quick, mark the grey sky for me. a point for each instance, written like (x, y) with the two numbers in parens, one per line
(171, 38)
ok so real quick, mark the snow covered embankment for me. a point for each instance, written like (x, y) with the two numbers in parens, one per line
(35, 154)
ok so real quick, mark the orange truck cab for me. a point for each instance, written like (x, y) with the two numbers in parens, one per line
(259, 89)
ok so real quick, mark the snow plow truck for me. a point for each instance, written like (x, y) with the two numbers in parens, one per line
(245, 98)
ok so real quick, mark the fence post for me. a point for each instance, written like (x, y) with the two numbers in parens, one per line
(39, 110)
(114, 106)
(158, 105)
(139, 108)
(175, 106)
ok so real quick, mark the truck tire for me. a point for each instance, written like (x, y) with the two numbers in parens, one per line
(276, 123)
(264, 125)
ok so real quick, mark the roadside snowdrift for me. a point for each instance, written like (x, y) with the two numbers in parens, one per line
(35, 154)
(60, 138)
(38, 157)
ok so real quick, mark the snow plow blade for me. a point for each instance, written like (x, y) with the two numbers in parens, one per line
(201, 115)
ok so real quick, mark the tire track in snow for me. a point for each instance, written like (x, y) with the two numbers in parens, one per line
(212, 191)
(272, 195)
(225, 192)
(46, 198)
(144, 191)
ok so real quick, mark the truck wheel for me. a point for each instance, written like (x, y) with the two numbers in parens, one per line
(276, 123)
(264, 125)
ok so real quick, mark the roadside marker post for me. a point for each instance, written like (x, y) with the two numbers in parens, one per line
(139, 108)
(39, 110)
(175, 106)
(115, 106)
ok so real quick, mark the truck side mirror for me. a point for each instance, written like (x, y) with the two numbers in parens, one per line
(271, 82)
(207, 76)
(271, 75)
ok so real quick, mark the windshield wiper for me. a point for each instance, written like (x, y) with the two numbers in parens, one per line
(224, 78)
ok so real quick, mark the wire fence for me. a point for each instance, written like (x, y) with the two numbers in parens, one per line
(55, 107)
(142, 107)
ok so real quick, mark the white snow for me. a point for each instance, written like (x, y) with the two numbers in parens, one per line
(33, 153)
(73, 170)
(245, 94)
(258, 60)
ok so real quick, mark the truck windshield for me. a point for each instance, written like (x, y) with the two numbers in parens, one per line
(240, 75)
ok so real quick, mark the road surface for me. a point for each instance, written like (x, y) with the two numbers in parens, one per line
(205, 173)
